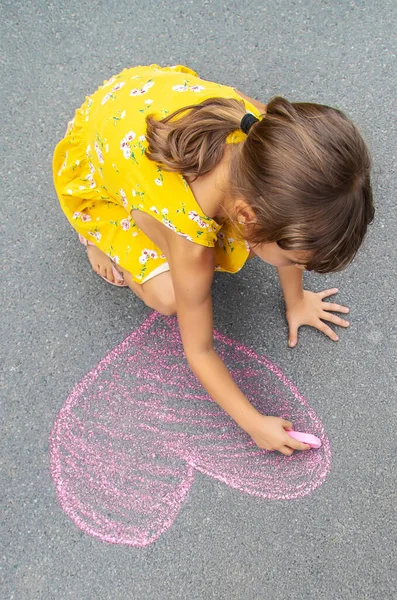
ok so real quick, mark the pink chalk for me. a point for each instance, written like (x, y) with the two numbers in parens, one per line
(306, 438)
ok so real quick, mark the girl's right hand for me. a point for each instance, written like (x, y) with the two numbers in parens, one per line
(269, 433)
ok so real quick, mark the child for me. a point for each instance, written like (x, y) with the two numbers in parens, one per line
(167, 178)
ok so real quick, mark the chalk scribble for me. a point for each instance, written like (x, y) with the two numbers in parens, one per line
(128, 440)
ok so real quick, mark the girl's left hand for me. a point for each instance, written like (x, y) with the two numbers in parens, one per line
(309, 310)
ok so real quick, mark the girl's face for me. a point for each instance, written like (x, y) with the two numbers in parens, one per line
(276, 256)
(271, 252)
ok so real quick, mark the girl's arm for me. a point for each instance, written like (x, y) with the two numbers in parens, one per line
(192, 278)
(192, 271)
(291, 284)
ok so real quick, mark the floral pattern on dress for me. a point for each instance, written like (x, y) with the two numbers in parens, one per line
(142, 90)
(64, 164)
(130, 149)
(137, 193)
(126, 146)
(146, 257)
(88, 109)
(148, 106)
(113, 256)
(95, 233)
(226, 243)
(99, 153)
(85, 218)
(112, 93)
(159, 179)
(185, 87)
(123, 198)
(194, 216)
(119, 116)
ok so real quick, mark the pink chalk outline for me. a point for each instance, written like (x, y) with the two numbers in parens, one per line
(128, 440)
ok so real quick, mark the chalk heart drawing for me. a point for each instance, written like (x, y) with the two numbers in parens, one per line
(131, 436)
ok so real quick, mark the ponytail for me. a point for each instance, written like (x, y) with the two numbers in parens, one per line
(194, 143)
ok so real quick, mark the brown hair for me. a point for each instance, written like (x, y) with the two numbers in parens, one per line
(304, 169)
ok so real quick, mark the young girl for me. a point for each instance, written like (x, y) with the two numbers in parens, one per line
(167, 178)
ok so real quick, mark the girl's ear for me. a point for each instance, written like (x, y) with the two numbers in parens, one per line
(244, 212)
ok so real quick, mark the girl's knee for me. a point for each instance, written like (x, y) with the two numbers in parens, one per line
(165, 306)
(167, 310)
(158, 293)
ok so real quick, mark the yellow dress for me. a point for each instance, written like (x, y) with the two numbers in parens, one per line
(101, 171)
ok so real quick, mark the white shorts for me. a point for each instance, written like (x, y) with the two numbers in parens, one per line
(161, 269)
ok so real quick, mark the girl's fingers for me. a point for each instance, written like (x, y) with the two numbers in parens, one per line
(293, 335)
(327, 293)
(285, 450)
(335, 307)
(334, 319)
(328, 331)
(295, 445)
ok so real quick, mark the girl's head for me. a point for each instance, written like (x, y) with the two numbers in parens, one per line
(301, 178)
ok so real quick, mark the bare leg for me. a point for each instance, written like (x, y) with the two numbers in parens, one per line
(135, 287)
(157, 293)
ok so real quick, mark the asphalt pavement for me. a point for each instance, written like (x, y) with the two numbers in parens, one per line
(59, 319)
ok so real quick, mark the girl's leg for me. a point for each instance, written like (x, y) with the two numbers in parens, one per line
(157, 293)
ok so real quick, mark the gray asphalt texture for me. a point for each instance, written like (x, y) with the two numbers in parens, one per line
(59, 319)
